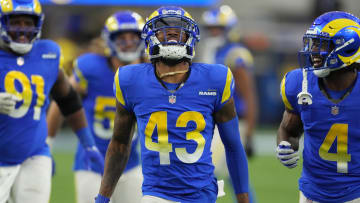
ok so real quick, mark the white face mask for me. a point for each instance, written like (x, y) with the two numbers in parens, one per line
(172, 51)
(20, 48)
(322, 73)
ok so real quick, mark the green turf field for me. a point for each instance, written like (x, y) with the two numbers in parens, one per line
(272, 182)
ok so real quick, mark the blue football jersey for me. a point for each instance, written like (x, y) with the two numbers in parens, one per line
(30, 77)
(94, 74)
(175, 129)
(331, 168)
(235, 55)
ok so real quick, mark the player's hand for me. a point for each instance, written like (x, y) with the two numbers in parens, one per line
(7, 102)
(249, 146)
(96, 159)
(101, 199)
(287, 156)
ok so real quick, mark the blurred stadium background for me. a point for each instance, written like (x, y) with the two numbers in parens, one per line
(271, 29)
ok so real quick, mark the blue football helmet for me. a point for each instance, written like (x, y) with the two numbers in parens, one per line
(11, 8)
(119, 22)
(332, 42)
(163, 20)
(222, 16)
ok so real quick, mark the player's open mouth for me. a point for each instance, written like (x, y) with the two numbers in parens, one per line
(317, 62)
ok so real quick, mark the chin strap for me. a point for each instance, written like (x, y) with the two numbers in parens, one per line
(304, 97)
(172, 73)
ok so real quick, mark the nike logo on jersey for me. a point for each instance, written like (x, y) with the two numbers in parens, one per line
(49, 56)
(207, 93)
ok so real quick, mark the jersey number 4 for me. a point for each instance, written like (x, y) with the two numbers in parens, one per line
(26, 92)
(339, 131)
(159, 120)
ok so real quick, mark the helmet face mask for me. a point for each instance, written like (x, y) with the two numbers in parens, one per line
(21, 28)
(171, 31)
(122, 33)
(331, 43)
(170, 35)
(315, 51)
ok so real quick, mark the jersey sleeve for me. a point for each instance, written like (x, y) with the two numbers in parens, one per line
(50, 52)
(120, 82)
(290, 86)
(226, 87)
(80, 72)
(239, 56)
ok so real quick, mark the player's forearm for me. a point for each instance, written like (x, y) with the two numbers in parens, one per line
(292, 137)
(77, 120)
(116, 158)
(251, 105)
(242, 198)
(250, 118)
(54, 119)
(246, 88)
(290, 130)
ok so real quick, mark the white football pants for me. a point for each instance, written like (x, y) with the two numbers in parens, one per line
(153, 199)
(128, 188)
(27, 182)
(304, 199)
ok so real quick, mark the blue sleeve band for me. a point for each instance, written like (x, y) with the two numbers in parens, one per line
(85, 137)
(102, 199)
(235, 155)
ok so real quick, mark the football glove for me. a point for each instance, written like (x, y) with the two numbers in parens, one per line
(7, 102)
(287, 156)
(101, 199)
(94, 156)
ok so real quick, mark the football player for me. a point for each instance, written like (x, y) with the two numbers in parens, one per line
(93, 78)
(176, 104)
(29, 73)
(219, 47)
(322, 101)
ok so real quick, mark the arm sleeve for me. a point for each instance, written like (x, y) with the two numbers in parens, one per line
(289, 88)
(118, 92)
(226, 90)
(235, 155)
(79, 75)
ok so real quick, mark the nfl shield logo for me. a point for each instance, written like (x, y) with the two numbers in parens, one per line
(334, 110)
(172, 99)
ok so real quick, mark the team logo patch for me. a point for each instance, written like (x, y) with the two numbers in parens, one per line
(172, 99)
(20, 61)
(334, 110)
